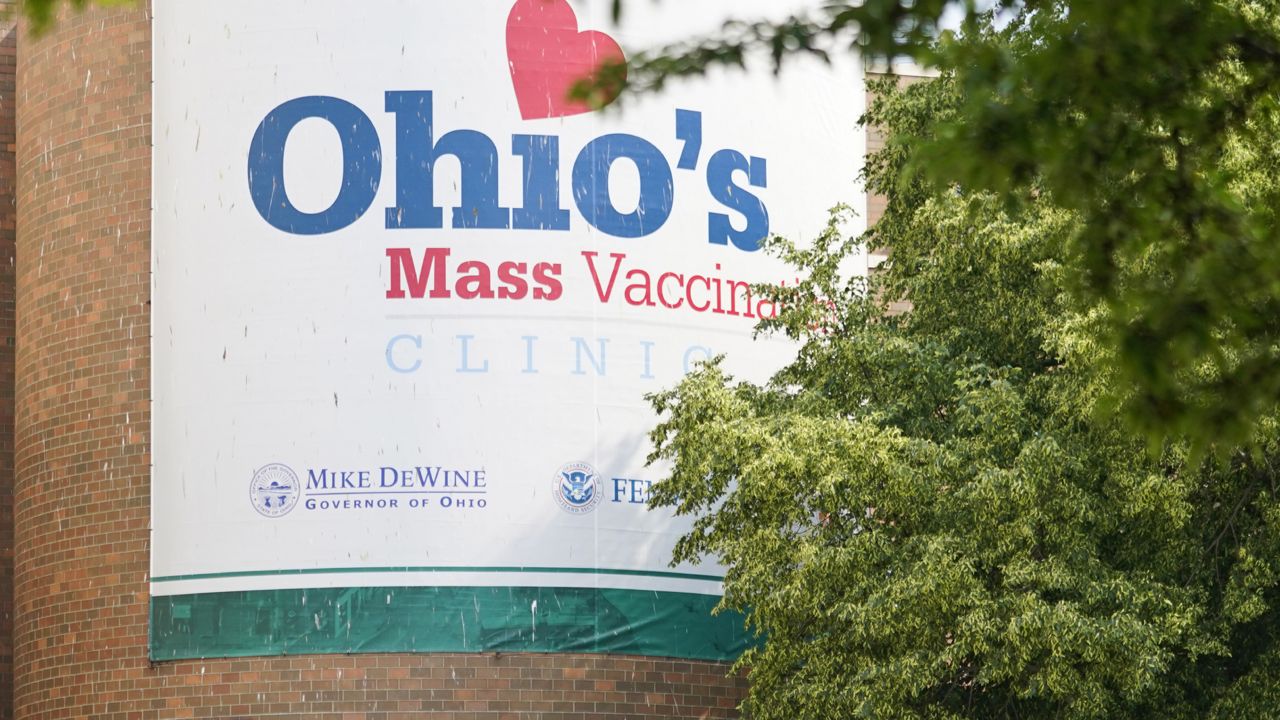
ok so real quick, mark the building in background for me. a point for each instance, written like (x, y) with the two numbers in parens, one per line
(328, 331)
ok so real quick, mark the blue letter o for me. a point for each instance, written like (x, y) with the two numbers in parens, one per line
(361, 166)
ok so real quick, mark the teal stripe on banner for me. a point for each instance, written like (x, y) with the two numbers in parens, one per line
(443, 619)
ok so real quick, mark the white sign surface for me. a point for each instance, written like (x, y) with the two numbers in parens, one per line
(408, 299)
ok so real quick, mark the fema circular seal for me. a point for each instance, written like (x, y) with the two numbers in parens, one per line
(274, 490)
(577, 488)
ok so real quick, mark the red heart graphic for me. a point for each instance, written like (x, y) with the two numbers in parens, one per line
(548, 56)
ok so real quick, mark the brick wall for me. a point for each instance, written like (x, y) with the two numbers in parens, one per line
(82, 455)
(8, 131)
(81, 439)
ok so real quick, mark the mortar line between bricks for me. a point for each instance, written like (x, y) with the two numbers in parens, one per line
(45, 152)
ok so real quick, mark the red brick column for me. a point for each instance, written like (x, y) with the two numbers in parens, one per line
(83, 273)
(83, 456)
(8, 200)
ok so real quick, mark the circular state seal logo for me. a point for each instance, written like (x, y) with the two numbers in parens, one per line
(577, 488)
(274, 490)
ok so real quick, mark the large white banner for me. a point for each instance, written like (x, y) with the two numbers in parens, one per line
(409, 299)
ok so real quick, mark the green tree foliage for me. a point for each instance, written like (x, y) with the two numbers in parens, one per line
(933, 515)
(41, 14)
(1124, 112)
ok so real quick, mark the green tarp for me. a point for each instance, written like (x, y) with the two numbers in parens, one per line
(443, 619)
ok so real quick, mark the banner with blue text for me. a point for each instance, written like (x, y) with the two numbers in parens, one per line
(409, 297)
